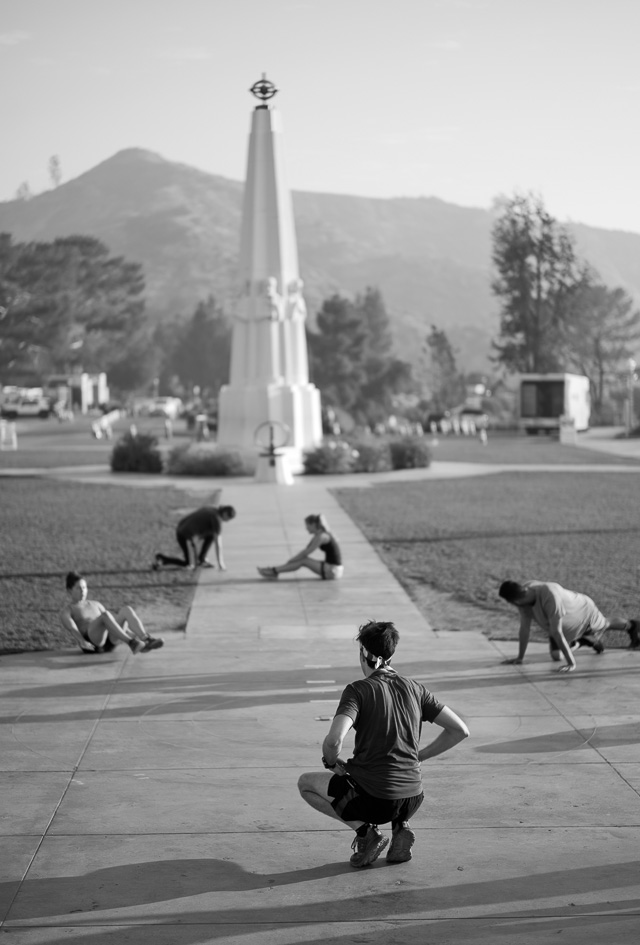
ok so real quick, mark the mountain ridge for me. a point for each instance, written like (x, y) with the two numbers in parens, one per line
(430, 259)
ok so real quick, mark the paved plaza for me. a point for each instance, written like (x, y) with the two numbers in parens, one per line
(153, 799)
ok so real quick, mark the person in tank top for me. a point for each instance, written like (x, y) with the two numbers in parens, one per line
(331, 569)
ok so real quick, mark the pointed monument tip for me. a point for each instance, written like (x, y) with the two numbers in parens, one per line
(264, 90)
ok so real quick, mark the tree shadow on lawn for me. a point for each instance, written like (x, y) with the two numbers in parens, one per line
(19, 575)
(506, 533)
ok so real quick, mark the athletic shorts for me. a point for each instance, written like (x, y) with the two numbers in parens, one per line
(331, 572)
(597, 624)
(351, 802)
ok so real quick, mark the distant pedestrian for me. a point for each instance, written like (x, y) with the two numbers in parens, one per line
(95, 629)
(331, 569)
(571, 620)
(382, 782)
(206, 524)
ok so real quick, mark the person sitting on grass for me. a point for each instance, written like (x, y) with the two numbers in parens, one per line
(571, 619)
(95, 628)
(204, 523)
(331, 569)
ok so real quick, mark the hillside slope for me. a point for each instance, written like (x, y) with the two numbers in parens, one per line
(430, 259)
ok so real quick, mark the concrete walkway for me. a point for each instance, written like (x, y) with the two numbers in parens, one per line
(153, 799)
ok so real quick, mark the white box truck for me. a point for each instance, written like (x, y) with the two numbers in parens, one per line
(546, 398)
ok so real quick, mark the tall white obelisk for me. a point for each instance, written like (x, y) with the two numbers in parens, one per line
(269, 378)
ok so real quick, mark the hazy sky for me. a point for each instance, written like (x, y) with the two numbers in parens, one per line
(458, 99)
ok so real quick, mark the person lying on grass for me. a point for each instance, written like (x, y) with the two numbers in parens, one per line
(331, 569)
(571, 619)
(95, 629)
(205, 523)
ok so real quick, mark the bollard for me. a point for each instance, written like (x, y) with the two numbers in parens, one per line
(8, 436)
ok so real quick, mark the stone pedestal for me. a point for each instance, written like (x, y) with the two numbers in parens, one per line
(274, 469)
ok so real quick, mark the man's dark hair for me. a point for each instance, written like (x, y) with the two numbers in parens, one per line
(379, 637)
(72, 579)
(511, 591)
(227, 510)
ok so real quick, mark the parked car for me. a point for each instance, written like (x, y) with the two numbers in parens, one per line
(170, 407)
(14, 407)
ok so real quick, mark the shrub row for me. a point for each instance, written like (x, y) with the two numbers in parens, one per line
(339, 456)
(140, 453)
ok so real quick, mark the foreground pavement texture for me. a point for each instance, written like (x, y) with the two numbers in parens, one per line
(153, 799)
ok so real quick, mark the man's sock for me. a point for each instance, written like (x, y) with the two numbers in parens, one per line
(363, 831)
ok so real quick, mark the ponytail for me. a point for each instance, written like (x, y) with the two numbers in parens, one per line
(318, 521)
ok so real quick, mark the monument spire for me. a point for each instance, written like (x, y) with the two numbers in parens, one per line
(269, 377)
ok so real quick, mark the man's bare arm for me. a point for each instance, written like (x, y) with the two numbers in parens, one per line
(217, 542)
(332, 745)
(557, 635)
(523, 638)
(69, 624)
(455, 730)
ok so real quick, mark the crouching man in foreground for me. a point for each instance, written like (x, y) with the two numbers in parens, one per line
(382, 783)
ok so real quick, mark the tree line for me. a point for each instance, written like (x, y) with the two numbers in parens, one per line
(70, 303)
(556, 312)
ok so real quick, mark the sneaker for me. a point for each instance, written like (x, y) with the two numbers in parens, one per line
(152, 643)
(633, 633)
(367, 849)
(595, 645)
(269, 573)
(136, 646)
(402, 839)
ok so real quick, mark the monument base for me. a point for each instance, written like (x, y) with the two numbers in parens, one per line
(243, 409)
(274, 469)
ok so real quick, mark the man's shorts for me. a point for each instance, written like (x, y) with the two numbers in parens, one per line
(597, 623)
(351, 802)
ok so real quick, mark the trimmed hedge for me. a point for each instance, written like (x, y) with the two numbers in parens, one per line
(136, 452)
(203, 459)
(409, 452)
(337, 457)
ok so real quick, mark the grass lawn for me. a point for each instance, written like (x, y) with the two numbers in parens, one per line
(45, 444)
(515, 449)
(464, 537)
(109, 533)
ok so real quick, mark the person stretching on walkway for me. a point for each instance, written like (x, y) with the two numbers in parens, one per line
(95, 629)
(205, 523)
(331, 569)
(382, 782)
(571, 620)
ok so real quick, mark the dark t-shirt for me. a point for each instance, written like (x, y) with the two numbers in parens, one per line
(203, 523)
(387, 711)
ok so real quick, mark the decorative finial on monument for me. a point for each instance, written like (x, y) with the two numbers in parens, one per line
(264, 90)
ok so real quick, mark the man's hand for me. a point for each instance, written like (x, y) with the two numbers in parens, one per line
(516, 661)
(570, 668)
(88, 647)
